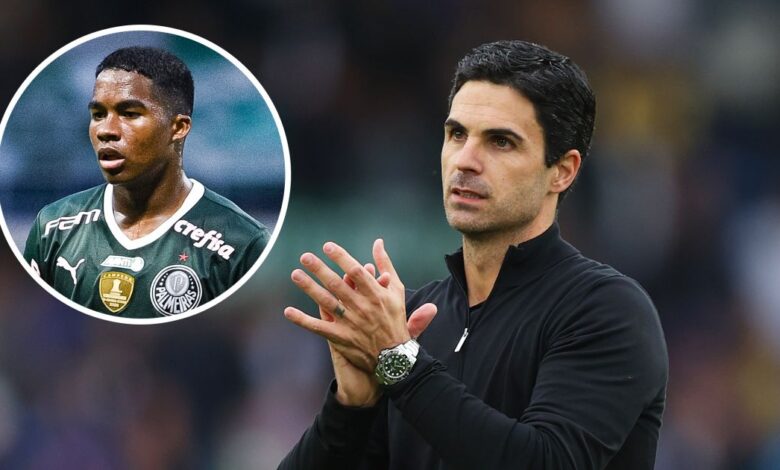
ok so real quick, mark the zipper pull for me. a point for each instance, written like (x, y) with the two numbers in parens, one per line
(462, 340)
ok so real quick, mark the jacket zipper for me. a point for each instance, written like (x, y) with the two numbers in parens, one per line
(462, 339)
(468, 328)
(461, 343)
(465, 334)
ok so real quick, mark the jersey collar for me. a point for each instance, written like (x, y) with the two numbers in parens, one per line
(108, 210)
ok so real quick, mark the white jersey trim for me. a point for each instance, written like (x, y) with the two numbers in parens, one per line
(108, 211)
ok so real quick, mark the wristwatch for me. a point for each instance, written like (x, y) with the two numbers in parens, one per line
(394, 364)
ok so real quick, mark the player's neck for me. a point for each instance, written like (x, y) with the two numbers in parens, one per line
(150, 201)
(484, 254)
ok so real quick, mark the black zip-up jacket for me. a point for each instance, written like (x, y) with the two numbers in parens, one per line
(564, 366)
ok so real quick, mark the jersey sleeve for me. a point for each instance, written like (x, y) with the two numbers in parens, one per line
(33, 247)
(258, 245)
(252, 252)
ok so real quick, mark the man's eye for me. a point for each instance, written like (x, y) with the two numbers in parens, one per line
(131, 114)
(502, 142)
(97, 115)
(458, 134)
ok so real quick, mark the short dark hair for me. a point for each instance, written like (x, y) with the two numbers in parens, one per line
(563, 100)
(168, 73)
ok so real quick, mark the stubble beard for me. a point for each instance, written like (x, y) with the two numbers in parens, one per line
(509, 217)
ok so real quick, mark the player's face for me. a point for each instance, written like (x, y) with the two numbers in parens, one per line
(492, 159)
(133, 134)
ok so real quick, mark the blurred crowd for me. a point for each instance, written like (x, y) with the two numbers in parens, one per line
(681, 191)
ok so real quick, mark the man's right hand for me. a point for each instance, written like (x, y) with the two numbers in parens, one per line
(355, 379)
(357, 385)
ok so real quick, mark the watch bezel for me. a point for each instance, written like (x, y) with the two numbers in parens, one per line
(395, 364)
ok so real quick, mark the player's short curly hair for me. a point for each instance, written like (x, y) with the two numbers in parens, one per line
(563, 100)
(168, 73)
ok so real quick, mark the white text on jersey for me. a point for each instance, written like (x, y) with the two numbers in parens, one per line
(68, 222)
(212, 237)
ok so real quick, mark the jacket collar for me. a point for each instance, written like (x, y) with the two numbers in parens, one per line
(522, 263)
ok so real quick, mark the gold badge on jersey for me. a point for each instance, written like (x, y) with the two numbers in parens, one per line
(115, 290)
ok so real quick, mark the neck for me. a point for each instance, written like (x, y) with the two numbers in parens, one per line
(150, 199)
(483, 255)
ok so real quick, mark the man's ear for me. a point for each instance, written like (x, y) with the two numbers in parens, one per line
(566, 170)
(181, 126)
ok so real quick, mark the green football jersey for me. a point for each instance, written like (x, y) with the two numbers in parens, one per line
(77, 247)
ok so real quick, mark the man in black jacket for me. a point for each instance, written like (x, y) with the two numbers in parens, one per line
(538, 357)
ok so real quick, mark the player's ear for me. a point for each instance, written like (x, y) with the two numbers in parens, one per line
(566, 170)
(181, 126)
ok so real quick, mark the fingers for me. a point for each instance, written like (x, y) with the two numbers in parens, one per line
(327, 330)
(334, 289)
(330, 280)
(420, 319)
(355, 276)
(371, 270)
(325, 315)
(382, 259)
(358, 274)
(384, 279)
(319, 294)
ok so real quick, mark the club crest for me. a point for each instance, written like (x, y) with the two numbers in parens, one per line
(115, 290)
(175, 289)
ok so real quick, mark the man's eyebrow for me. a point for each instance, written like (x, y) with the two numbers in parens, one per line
(121, 105)
(451, 123)
(499, 131)
(503, 131)
(131, 104)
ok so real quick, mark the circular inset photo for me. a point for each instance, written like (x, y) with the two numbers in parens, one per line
(144, 174)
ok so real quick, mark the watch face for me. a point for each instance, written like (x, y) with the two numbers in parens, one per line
(395, 366)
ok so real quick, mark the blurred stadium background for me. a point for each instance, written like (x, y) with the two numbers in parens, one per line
(680, 192)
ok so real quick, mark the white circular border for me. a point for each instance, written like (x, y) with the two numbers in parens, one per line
(285, 150)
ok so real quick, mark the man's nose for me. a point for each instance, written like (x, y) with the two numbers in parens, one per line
(108, 129)
(469, 157)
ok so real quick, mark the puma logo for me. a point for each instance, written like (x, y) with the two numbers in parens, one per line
(63, 263)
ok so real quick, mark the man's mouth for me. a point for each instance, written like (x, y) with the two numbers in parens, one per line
(467, 193)
(110, 159)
